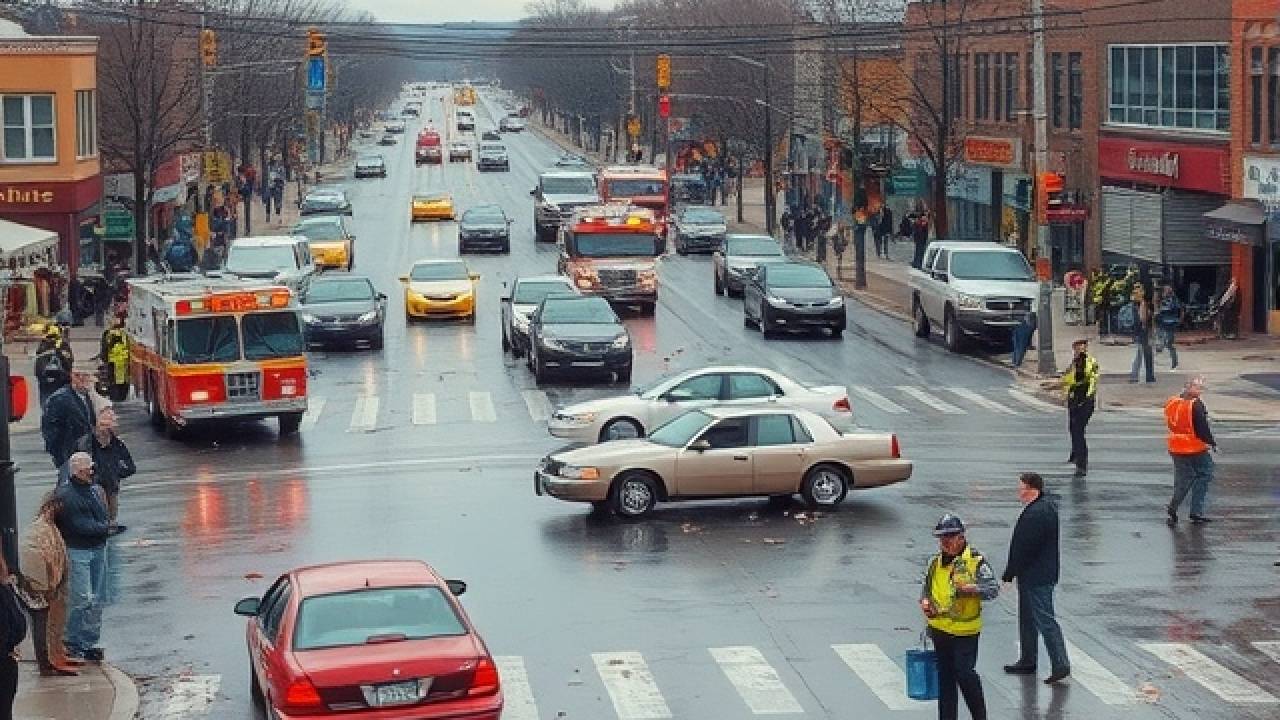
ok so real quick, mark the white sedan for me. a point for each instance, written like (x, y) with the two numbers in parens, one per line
(630, 416)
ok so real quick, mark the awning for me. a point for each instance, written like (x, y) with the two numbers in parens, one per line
(30, 246)
(1239, 212)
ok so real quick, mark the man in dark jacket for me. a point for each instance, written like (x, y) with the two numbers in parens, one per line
(1033, 562)
(53, 363)
(112, 463)
(69, 415)
(84, 527)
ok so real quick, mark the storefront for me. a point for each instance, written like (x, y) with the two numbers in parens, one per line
(32, 287)
(66, 208)
(990, 193)
(1262, 184)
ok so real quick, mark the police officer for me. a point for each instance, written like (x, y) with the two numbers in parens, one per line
(1080, 385)
(956, 582)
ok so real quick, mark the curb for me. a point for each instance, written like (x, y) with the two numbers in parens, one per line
(125, 704)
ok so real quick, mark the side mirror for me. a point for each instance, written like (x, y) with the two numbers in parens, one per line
(248, 607)
(700, 446)
(404, 278)
(456, 587)
(352, 238)
(382, 297)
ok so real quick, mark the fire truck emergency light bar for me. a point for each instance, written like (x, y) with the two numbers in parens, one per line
(616, 215)
(234, 302)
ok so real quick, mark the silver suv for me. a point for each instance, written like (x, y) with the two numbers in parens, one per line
(557, 194)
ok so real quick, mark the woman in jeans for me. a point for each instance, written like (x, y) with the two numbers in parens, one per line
(43, 588)
(1142, 318)
(13, 628)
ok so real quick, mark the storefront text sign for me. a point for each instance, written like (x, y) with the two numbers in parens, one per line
(1262, 180)
(1187, 166)
(50, 197)
(994, 151)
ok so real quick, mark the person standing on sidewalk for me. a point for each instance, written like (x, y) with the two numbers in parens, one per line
(1142, 319)
(1080, 385)
(82, 520)
(111, 461)
(1033, 562)
(1022, 334)
(1190, 440)
(69, 415)
(42, 588)
(1168, 317)
(956, 582)
(920, 236)
(884, 232)
(13, 629)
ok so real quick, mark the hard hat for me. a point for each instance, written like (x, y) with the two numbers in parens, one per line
(948, 525)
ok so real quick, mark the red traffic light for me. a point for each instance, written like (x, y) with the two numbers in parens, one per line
(18, 398)
(664, 106)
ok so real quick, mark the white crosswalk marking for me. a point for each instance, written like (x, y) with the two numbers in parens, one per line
(879, 400)
(755, 680)
(1099, 680)
(980, 399)
(424, 409)
(538, 404)
(364, 416)
(482, 407)
(631, 686)
(881, 674)
(931, 401)
(1032, 401)
(516, 692)
(190, 697)
(1206, 671)
(1270, 647)
(315, 406)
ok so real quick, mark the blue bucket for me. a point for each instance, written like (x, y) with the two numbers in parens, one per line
(922, 675)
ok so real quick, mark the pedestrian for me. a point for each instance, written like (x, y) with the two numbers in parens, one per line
(53, 363)
(956, 582)
(1190, 440)
(788, 225)
(1142, 320)
(42, 588)
(803, 220)
(114, 352)
(277, 191)
(821, 227)
(82, 520)
(69, 416)
(920, 235)
(1168, 317)
(1080, 385)
(1022, 333)
(886, 231)
(13, 629)
(112, 462)
(1033, 562)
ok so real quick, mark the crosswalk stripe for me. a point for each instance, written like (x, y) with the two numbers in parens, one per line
(1270, 647)
(881, 674)
(879, 400)
(755, 680)
(538, 404)
(482, 407)
(518, 702)
(1099, 680)
(364, 416)
(631, 686)
(190, 697)
(1206, 671)
(1032, 401)
(424, 409)
(984, 401)
(931, 401)
(315, 406)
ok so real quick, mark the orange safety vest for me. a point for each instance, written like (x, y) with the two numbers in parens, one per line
(1182, 432)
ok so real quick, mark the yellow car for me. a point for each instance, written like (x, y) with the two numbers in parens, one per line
(432, 206)
(332, 244)
(440, 288)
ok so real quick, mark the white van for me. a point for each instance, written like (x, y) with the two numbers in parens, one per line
(285, 259)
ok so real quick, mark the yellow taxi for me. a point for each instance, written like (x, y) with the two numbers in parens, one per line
(431, 206)
(332, 244)
(440, 288)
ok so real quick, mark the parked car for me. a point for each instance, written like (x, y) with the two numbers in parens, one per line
(372, 165)
(525, 296)
(284, 259)
(698, 227)
(459, 150)
(793, 296)
(484, 227)
(737, 259)
(493, 156)
(572, 161)
(343, 308)
(325, 200)
(974, 290)
(576, 336)
(725, 452)
(490, 135)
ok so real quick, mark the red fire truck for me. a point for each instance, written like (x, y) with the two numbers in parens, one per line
(428, 149)
(641, 185)
(208, 349)
(611, 251)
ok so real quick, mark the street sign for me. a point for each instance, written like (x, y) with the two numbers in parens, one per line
(315, 100)
(217, 167)
(117, 222)
(906, 182)
(315, 74)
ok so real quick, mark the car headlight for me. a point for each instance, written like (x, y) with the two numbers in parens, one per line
(836, 301)
(969, 302)
(647, 277)
(739, 269)
(368, 317)
(551, 207)
(582, 418)
(621, 342)
(552, 343)
(521, 322)
(775, 301)
(575, 472)
(309, 319)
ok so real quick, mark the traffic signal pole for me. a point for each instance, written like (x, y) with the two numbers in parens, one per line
(1046, 364)
(8, 493)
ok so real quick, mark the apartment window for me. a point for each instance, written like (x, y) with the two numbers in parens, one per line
(1256, 70)
(28, 128)
(1010, 85)
(86, 123)
(981, 86)
(1182, 86)
(955, 83)
(1075, 90)
(998, 72)
(1055, 101)
(961, 96)
(1273, 96)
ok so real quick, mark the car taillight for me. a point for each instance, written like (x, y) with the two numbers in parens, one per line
(896, 451)
(302, 695)
(485, 680)
(842, 405)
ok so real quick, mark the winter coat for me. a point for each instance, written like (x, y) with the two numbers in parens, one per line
(83, 517)
(68, 417)
(44, 557)
(1033, 551)
(111, 463)
(13, 623)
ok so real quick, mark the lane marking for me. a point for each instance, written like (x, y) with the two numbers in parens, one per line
(755, 680)
(482, 407)
(931, 401)
(881, 675)
(984, 401)
(424, 409)
(1208, 673)
(518, 702)
(539, 406)
(364, 416)
(1099, 680)
(631, 687)
(1033, 401)
(879, 400)
(191, 696)
(315, 406)
(1270, 647)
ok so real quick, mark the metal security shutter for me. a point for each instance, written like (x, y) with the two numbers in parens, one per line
(1132, 223)
(1186, 237)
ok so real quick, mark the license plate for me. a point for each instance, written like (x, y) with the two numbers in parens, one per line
(400, 693)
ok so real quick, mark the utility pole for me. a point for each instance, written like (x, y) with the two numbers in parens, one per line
(8, 493)
(770, 197)
(208, 51)
(1044, 312)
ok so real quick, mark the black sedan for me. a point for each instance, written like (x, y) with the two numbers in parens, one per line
(484, 227)
(578, 335)
(371, 166)
(341, 308)
(325, 201)
(698, 228)
(792, 296)
(490, 135)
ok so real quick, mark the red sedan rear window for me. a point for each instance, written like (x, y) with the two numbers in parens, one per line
(376, 614)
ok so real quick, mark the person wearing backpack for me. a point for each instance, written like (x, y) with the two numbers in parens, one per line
(53, 363)
(1168, 317)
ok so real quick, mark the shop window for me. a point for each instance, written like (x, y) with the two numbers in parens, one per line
(28, 128)
(1055, 104)
(1182, 86)
(1075, 90)
(86, 123)
(999, 74)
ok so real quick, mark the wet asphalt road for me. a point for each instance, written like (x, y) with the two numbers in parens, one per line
(1163, 621)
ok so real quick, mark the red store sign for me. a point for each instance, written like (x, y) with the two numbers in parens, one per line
(1167, 164)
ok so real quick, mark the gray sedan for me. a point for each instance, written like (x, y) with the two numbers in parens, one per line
(735, 261)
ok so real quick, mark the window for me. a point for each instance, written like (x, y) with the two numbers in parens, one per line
(353, 618)
(271, 621)
(800, 432)
(1255, 95)
(940, 265)
(773, 430)
(1055, 102)
(207, 339)
(703, 387)
(1010, 86)
(1075, 90)
(86, 123)
(1273, 96)
(955, 85)
(962, 100)
(28, 128)
(728, 433)
(999, 93)
(272, 335)
(751, 385)
(981, 86)
(1181, 86)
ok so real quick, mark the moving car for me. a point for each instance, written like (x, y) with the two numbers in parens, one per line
(375, 639)
(557, 195)
(466, 121)
(490, 135)
(387, 139)
(974, 289)
(511, 123)
(459, 150)
(431, 206)
(332, 244)
(484, 227)
(725, 452)
(440, 288)
(790, 296)
(372, 165)
(738, 257)
(394, 126)
(428, 148)
(526, 294)
(343, 308)
(572, 161)
(578, 335)
(325, 200)
(492, 155)
(698, 227)
(632, 415)
(283, 259)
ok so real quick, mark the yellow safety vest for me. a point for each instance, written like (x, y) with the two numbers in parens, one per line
(118, 355)
(961, 615)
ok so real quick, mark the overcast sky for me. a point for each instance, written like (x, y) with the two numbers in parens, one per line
(442, 10)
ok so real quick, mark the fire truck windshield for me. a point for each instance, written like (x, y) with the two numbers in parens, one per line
(272, 335)
(206, 339)
(253, 260)
(583, 185)
(614, 245)
(635, 187)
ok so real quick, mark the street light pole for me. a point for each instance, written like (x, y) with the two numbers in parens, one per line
(1044, 311)
(767, 148)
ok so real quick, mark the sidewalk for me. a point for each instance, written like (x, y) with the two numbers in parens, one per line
(97, 693)
(565, 143)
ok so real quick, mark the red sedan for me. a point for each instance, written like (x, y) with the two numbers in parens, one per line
(377, 640)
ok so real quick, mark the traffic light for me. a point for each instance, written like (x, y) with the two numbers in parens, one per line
(18, 398)
(664, 73)
(316, 44)
(664, 106)
(1049, 186)
(208, 47)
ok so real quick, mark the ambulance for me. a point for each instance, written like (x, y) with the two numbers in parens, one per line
(612, 251)
(210, 349)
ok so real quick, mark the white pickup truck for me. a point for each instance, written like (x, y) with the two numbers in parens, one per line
(971, 289)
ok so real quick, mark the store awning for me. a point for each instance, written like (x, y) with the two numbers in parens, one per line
(1240, 213)
(31, 246)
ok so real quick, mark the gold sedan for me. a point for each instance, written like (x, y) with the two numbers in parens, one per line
(720, 452)
(440, 288)
(431, 206)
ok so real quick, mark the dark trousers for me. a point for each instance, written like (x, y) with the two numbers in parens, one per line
(1036, 617)
(1021, 341)
(917, 258)
(882, 244)
(1077, 420)
(957, 657)
(39, 636)
(8, 686)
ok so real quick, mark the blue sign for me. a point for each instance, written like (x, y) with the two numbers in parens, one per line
(315, 74)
